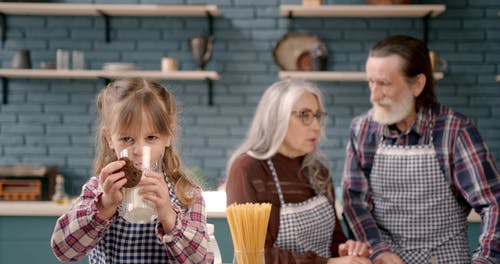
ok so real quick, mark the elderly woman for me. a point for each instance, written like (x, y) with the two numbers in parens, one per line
(279, 163)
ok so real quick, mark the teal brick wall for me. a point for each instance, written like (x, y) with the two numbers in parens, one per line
(51, 122)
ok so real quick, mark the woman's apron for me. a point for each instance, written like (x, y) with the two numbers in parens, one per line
(304, 226)
(414, 207)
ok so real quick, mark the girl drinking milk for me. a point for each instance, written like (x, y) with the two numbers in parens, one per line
(135, 115)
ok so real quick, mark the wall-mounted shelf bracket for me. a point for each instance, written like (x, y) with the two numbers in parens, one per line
(210, 23)
(425, 20)
(290, 21)
(5, 90)
(107, 29)
(210, 86)
(105, 80)
(3, 29)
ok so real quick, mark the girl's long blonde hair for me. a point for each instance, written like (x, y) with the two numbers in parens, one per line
(120, 104)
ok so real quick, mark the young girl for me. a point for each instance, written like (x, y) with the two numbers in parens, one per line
(135, 113)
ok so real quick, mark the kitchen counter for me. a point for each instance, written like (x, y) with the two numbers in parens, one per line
(31, 224)
(215, 207)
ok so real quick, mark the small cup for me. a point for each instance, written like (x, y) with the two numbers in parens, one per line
(62, 57)
(168, 64)
(312, 2)
(437, 63)
(78, 60)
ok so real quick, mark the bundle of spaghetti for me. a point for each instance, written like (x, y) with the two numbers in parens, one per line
(248, 224)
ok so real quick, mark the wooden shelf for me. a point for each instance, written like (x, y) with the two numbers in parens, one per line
(94, 74)
(362, 10)
(333, 76)
(66, 9)
(105, 11)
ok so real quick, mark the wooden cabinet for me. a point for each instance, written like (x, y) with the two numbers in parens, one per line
(355, 11)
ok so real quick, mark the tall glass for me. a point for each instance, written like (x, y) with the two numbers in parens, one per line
(62, 57)
(134, 208)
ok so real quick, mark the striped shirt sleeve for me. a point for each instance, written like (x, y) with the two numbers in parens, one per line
(478, 181)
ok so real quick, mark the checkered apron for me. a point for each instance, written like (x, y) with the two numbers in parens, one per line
(127, 242)
(414, 207)
(305, 226)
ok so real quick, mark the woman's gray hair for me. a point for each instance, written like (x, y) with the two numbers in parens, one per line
(270, 124)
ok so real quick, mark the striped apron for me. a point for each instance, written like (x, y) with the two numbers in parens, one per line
(304, 226)
(415, 209)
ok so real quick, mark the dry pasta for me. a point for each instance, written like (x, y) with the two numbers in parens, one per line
(248, 224)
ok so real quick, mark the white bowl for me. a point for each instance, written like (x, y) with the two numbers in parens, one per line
(119, 66)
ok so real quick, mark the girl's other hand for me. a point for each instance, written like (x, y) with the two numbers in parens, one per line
(111, 180)
(354, 248)
(155, 189)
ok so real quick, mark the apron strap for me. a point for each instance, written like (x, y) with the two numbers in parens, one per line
(276, 181)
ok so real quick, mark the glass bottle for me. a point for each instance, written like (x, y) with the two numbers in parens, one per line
(60, 195)
(213, 244)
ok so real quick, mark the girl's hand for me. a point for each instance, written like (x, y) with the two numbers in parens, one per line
(349, 260)
(354, 248)
(111, 181)
(155, 189)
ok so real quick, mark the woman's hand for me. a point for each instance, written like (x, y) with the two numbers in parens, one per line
(155, 189)
(349, 260)
(111, 181)
(354, 248)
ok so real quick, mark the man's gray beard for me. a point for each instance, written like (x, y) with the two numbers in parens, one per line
(397, 111)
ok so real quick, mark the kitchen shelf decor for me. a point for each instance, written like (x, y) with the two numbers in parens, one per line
(355, 11)
(368, 11)
(106, 11)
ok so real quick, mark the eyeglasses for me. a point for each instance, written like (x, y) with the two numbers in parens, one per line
(307, 116)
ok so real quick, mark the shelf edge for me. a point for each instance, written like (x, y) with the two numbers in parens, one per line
(76, 9)
(362, 10)
(94, 74)
(334, 75)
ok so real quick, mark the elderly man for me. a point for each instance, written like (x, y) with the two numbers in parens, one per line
(415, 168)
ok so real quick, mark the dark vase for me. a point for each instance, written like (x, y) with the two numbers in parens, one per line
(201, 49)
(21, 59)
